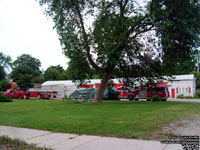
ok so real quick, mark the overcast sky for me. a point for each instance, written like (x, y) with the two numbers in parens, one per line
(25, 29)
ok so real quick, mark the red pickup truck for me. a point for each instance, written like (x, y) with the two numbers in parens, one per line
(144, 93)
(17, 94)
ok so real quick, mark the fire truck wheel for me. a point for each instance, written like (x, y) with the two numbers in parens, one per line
(130, 97)
(20, 97)
(136, 99)
(148, 99)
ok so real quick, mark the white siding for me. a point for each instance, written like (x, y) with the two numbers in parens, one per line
(186, 85)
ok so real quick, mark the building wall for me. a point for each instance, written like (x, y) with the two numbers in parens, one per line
(182, 87)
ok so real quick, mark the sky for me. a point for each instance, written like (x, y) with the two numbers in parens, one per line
(24, 29)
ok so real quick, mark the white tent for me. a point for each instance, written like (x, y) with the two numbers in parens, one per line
(63, 88)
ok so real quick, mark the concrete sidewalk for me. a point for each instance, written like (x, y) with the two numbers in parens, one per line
(63, 141)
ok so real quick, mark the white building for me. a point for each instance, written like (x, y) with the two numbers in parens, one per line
(181, 85)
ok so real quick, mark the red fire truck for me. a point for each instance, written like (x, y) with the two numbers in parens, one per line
(41, 94)
(15, 93)
(30, 94)
(144, 93)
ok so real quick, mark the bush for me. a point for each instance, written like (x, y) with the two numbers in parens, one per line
(198, 92)
(4, 98)
(180, 96)
(189, 97)
(156, 98)
(4, 85)
(186, 97)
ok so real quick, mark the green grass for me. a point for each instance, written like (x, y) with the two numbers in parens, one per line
(140, 119)
(7, 143)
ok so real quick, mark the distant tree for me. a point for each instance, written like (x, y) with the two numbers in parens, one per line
(63, 75)
(55, 73)
(117, 36)
(5, 65)
(58, 67)
(28, 61)
(38, 79)
(51, 74)
(197, 75)
(25, 65)
(2, 73)
(25, 81)
(4, 85)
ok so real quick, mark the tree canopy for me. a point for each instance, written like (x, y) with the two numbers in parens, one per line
(5, 65)
(25, 64)
(124, 34)
(25, 81)
(55, 73)
(28, 61)
(178, 33)
(25, 69)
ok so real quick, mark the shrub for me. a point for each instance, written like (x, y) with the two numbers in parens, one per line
(156, 98)
(198, 92)
(189, 97)
(4, 98)
(4, 85)
(180, 96)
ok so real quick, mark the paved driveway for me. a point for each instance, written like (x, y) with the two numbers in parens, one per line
(183, 100)
(173, 100)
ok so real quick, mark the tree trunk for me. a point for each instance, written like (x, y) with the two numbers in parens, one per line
(100, 91)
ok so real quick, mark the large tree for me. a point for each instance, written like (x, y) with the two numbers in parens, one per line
(25, 81)
(178, 33)
(118, 36)
(25, 64)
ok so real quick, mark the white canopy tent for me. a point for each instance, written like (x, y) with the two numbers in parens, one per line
(63, 88)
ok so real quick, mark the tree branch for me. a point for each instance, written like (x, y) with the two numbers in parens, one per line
(122, 7)
(86, 39)
(145, 30)
(143, 18)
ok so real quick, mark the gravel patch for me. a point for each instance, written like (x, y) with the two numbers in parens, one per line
(185, 127)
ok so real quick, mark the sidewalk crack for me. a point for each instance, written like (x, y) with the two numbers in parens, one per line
(39, 136)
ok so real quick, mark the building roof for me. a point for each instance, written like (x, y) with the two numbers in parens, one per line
(116, 81)
(61, 82)
(184, 77)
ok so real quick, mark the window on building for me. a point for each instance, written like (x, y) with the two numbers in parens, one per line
(186, 90)
(179, 90)
(182, 90)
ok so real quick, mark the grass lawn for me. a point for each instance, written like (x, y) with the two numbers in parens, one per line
(139, 119)
(7, 143)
